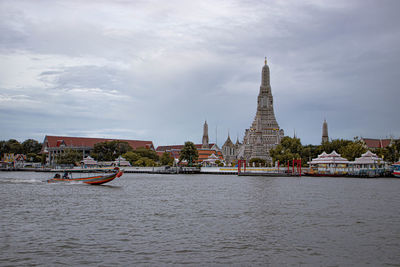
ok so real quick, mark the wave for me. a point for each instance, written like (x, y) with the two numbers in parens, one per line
(20, 181)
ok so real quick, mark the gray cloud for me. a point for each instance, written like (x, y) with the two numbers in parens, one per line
(156, 70)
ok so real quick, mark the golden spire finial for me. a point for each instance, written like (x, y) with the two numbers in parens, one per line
(265, 60)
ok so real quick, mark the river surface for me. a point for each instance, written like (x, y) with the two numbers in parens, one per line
(207, 220)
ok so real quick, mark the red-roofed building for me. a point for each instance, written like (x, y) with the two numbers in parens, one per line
(54, 145)
(376, 143)
(209, 156)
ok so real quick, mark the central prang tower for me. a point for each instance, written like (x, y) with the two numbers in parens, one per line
(264, 133)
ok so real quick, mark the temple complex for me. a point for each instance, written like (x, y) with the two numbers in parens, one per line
(264, 132)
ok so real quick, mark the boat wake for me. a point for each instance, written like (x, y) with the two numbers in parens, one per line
(19, 181)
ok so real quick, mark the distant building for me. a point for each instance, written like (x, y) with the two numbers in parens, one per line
(325, 137)
(208, 157)
(88, 162)
(13, 160)
(230, 150)
(55, 145)
(368, 160)
(264, 134)
(208, 153)
(121, 162)
(373, 144)
(329, 164)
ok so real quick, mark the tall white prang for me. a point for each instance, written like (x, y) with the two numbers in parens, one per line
(264, 132)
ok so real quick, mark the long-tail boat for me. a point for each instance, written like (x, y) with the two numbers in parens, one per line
(94, 180)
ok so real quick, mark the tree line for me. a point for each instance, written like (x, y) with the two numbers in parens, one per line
(30, 148)
(111, 150)
(291, 148)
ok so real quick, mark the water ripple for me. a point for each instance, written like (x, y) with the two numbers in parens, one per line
(199, 220)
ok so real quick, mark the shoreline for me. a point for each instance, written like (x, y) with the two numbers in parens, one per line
(193, 170)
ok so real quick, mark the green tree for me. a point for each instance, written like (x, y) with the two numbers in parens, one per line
(189, 152)
(11, 146)
(43, 159)
(334, 145)
(110, 150)
(149, 162)
(393, 152)
(145, 162)
(69, 156)
(287, 150)
(148, 153)
(33, 157)
(352, 150)
(31, 146)
(131, 156)
(166, 159)
(2, 148)
(139, 163)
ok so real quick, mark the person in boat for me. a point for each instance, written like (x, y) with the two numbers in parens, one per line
(57, 175)
(65, 176)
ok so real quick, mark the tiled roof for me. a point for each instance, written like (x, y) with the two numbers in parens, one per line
(57, 141)
(368, 158)
(325, 158)
(206, 153)
(376, 143)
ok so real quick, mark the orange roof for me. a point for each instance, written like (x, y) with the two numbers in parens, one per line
(57, 141)
(376, 143)
(206, 153)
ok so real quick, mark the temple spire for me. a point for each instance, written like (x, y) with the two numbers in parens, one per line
(265, 61)
(205, 135)
(325, 137)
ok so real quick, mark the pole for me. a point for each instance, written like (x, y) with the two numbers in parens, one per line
(300, 166)
(297, 165)
(288, 167)
(293, 167)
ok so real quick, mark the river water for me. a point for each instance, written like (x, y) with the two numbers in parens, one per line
(158, 220)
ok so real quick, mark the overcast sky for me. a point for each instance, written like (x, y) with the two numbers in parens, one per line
(156, 70)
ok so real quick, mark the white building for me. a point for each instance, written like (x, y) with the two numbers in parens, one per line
(329, 164)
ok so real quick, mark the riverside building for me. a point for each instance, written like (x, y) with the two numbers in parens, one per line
(56, 145)
(209, 153)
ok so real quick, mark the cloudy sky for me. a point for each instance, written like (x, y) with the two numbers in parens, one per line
(156, 70)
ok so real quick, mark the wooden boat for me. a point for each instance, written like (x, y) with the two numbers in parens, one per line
(94, 180)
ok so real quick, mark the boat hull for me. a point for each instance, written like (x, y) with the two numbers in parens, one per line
(93, 180)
